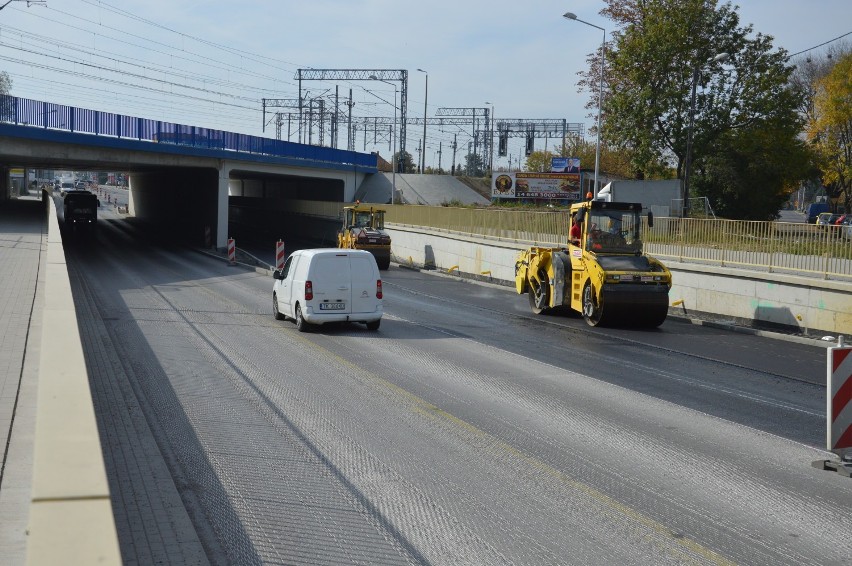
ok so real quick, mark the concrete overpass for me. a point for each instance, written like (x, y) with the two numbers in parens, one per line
(181, 177)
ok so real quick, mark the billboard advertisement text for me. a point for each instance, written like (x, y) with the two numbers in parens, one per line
(563, 186)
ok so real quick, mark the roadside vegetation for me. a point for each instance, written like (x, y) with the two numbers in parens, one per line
(687, 87)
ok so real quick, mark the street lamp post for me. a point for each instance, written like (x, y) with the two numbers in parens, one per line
(425, 99)
(687, 165)
(393, 134)
(572, 16)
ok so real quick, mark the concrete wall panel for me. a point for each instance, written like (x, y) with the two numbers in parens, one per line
(791, 302)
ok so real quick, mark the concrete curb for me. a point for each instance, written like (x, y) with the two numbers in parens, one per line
(467, 278)
(71, 518)
(721, 325)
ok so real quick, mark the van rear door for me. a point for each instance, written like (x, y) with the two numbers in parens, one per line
(364, 277)
(329, 276)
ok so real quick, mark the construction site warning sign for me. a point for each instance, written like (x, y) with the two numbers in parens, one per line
(839, 400)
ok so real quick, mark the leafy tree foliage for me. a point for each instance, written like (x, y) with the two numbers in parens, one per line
(5, 83)
(830, 128)
(405, 162)
(810, 71)
(539, 161)
(662, 49)
(474, 165)
(748, 174)
(613, 160)
(6, 105)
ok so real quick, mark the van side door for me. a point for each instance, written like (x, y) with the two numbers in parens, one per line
(285, 287)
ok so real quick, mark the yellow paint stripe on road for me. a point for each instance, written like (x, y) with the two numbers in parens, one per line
(430, 411)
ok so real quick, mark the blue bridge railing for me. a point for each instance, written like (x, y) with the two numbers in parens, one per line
(26, 112)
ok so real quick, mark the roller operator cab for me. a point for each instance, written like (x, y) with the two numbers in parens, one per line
(364, 229)
(604, 274)
(317, 286)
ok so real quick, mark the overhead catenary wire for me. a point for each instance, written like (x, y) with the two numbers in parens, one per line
(820, 45)
(188, 77)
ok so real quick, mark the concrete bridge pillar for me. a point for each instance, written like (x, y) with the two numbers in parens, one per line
(222, 207)
(4, 184)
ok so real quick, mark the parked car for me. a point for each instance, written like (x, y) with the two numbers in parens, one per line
(826, 219)
(66, 187)
(317, 286)
(846, 227)
(815, 209)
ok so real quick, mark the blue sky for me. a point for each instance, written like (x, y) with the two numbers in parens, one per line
(130, 56)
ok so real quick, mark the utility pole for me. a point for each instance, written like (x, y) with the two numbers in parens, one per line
(440, 145)
(311, 121)
(334, 127)
(350, 138)
(278, 123)
(419, 154)
(455, 145)
(322, 122)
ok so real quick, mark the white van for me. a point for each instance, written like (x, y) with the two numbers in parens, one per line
(328, 285)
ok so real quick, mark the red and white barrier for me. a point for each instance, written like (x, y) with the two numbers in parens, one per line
(839, 400)
(232, 251)
(279, 254)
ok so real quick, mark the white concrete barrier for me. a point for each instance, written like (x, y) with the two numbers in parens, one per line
(71, 519)
(813, 306)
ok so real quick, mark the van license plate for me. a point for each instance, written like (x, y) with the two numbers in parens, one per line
(332, 306)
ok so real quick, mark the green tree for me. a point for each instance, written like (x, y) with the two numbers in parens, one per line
(613, 161)
(539, 161)
(5, 88)
(830, 129)
(405, 162)
(749, 174)
(5, 83)
(474, 166)
(662, 48)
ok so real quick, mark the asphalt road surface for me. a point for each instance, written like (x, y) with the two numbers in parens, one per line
(465, 431)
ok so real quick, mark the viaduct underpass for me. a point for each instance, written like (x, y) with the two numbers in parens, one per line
(197, 194)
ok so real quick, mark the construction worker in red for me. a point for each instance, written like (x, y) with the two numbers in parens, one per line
(576, 231)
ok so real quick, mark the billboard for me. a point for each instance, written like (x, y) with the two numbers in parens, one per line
(565, 164)
(564, 186)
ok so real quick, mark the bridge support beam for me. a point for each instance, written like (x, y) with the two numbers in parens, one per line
(4, 184)
(222, 207)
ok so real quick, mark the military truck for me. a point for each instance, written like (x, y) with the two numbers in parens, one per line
(78, 209)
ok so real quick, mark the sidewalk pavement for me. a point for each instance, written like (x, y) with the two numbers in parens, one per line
(23, 241)
(152, 524)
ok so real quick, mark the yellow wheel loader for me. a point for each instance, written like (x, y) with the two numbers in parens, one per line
(364, 229)
(603, 274)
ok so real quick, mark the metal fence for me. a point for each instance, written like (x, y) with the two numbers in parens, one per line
(777, 247)
(48, 115)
